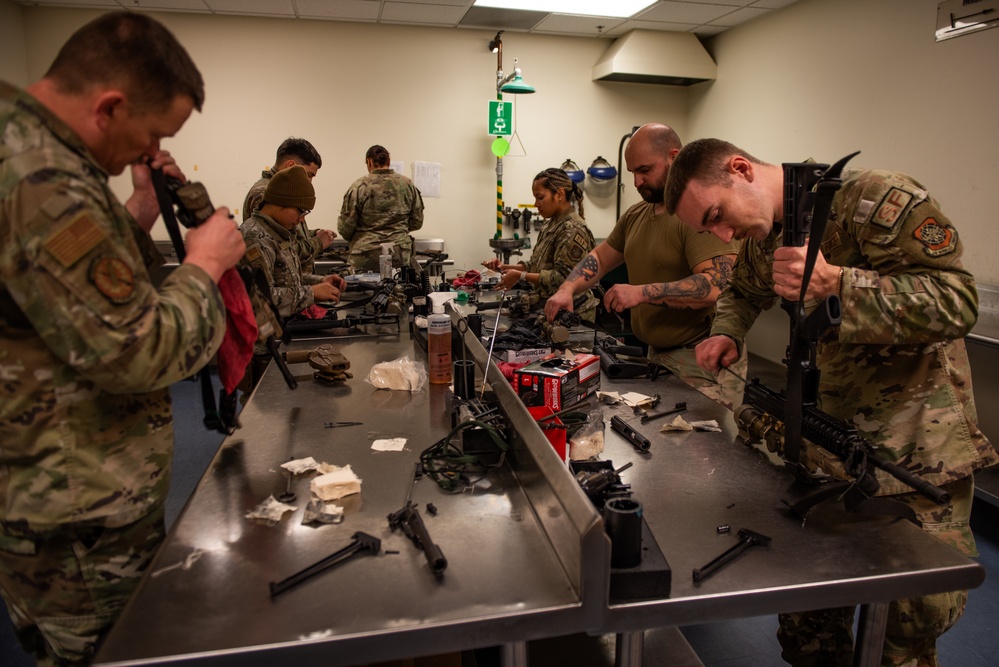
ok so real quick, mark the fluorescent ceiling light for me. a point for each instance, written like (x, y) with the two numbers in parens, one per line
(612, 8)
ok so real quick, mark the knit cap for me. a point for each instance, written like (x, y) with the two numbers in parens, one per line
(291, 188)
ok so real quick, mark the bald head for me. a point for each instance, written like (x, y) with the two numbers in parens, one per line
(659, 137)
(648, 157)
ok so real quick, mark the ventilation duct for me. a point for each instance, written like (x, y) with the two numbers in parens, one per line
(665, 58)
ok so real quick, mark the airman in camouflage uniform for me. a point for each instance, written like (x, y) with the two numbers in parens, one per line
(293, 151)
(380, 207)
(563, 240)
(896, 368)
(271, 246)
(88, 347)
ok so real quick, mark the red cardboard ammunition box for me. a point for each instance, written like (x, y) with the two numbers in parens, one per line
(558, 383)
(553, 429)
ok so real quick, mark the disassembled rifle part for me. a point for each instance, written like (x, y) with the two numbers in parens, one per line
(679, 407)
(363, 543)
(409, 519)
(637, 440)
(747, 538)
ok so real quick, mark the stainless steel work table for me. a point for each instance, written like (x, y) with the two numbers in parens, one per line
(691, 483)
(527, 555)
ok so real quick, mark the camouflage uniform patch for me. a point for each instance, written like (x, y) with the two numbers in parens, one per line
(891, 208)
(113, 278)
(938, 239)
(74, 240)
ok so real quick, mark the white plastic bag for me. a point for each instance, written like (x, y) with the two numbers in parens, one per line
(401, 374)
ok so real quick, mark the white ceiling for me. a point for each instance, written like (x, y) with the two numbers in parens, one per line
(702, 17)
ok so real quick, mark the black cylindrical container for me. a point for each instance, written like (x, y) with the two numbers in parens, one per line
(623, 522)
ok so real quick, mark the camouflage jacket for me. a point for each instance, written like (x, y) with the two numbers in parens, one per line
(273, 249)
(896, 367)
(562, 243)
(309, 245)
(88, 347)
(380, 207)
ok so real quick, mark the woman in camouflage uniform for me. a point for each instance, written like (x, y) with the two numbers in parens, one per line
(563, 241)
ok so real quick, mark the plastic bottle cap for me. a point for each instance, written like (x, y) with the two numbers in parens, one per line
(438, 299)
(387, 247)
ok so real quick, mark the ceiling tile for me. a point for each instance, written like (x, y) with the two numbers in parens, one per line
(400, 12)
(685, 12)
(577, 25)
(346, 10)
(739, 16)
(452, 3)
(167, 5)
(729, 3)
(503, 19)
(252, 7)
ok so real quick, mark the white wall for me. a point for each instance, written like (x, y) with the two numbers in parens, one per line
(823, 78)
(421, 92)
(13, 58)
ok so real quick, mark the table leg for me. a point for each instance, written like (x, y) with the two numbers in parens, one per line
(514, 655)
(870, 634)
(630, 649)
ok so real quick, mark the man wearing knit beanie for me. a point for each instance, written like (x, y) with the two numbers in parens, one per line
(292, 151)
(271, 247)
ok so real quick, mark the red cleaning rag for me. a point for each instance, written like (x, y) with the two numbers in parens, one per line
(240, 331)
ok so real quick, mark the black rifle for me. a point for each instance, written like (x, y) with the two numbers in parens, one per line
(409, 519)
(190, 204)
(809, 189)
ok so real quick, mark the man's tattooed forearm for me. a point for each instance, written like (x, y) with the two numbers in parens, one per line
(695, 287)
(587, 268)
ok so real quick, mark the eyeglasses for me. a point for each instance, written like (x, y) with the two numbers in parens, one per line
(302, 212)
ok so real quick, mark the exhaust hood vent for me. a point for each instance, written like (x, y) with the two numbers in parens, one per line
(664, 58)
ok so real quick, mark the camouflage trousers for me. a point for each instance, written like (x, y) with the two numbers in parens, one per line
(367, 261)
(722, 387)
(65, 590)
(825, 637)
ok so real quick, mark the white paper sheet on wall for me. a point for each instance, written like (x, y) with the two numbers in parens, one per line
(398, 166)
(427, 177)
